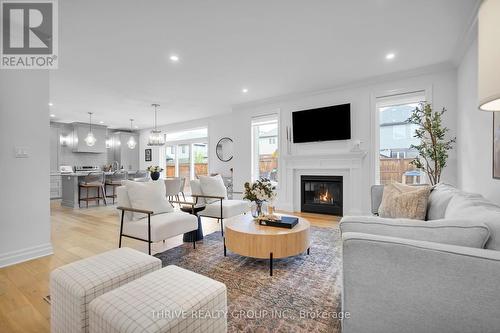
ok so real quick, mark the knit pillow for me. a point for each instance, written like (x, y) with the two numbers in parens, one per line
(403, 201)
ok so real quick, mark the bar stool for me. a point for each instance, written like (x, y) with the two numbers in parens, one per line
(114, 181)
(94, 180)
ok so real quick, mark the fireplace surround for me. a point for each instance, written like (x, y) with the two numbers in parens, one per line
(321, 194)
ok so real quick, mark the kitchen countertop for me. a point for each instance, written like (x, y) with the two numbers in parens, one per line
(82, 174)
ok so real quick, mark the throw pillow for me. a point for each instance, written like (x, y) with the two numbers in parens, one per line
(403, 201)
(439, 199)
(213, 186)
(148, 196)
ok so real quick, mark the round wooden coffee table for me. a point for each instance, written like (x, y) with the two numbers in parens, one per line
(244, 236)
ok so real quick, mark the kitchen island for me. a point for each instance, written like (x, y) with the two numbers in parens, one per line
(70, 183)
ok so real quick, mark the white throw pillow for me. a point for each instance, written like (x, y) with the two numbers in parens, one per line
(148, 196)
(213, 186)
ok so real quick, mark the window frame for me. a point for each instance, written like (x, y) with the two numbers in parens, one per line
(254, 123)
(388, 95)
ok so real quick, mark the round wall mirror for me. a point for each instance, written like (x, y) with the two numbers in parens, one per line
(224, 149)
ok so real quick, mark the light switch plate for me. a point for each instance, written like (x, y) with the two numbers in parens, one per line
(21, 152)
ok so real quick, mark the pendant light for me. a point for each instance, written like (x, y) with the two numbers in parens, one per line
(488, 55)
(131, 143)
(90, 140)
(156, 138)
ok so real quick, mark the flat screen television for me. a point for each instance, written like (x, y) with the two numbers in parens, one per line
(322, 124)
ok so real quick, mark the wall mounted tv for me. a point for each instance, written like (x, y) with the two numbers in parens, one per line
(322, 124)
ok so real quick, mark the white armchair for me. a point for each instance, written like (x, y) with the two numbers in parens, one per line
(145, 225)
(211, 193)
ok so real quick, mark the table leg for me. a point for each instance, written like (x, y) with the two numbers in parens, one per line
(271, 264)
(308, 251)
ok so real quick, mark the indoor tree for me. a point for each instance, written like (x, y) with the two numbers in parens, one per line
(434, 146)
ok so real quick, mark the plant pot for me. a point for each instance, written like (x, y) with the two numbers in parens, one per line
(155, 175)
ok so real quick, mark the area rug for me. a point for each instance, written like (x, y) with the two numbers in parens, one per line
(303, 295)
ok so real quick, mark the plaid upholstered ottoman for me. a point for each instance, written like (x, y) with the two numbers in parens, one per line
(73, 286)
(169, 300)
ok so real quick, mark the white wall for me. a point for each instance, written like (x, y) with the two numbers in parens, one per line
(24, 203)
(218, 127)
(475, 128)
(442, 87)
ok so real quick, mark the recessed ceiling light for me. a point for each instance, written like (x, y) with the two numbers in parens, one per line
(244, 90)
(52, 116)
(390, 56)
(101, 122)
(174, 58)
(50, 104)
(136, 127)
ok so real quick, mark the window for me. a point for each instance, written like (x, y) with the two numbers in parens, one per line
(396, 136)
(186, 155)
(265, 148)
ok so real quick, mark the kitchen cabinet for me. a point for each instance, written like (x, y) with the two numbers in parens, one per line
(55, 186)
(120, 152)
(80, 131)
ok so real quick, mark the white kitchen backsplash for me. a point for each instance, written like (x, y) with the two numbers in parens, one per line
(69, 158)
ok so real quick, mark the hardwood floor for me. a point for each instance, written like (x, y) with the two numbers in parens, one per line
(76, 234)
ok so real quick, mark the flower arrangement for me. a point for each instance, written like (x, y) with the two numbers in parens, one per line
(261, 190)
(155, 168)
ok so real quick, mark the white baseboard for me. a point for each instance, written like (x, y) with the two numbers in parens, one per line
(15, 257)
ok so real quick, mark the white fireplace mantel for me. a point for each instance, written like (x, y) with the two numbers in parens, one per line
(345, 164)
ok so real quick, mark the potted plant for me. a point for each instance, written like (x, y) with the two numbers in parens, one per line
(434, 146)
(258, 192)
(154, 171)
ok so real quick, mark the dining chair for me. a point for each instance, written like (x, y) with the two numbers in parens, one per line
(172, 188)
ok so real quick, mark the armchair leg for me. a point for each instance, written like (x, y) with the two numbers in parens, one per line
(121, 230)
(222, 227)
(149, 234)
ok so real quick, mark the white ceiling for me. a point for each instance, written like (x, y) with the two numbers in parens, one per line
(114, 54)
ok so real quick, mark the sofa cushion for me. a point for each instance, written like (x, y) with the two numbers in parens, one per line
(377, 191)
(148, 196)
(163, 226)
(403, 201)
(448, 231)
(213, 186)
(439, 199)
(476, 208)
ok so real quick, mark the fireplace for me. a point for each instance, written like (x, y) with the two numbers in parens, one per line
(321, 194)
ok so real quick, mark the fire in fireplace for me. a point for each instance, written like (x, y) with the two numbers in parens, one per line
(321, 194)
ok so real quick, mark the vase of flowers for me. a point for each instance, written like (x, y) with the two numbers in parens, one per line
(154, 171)
(259, 192)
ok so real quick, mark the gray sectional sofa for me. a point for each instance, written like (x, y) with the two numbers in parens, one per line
(440, 275)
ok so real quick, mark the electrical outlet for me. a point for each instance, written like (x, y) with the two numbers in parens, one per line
(21, 152)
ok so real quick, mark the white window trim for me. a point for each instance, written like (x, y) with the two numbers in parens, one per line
(263, 120)
(375, 134)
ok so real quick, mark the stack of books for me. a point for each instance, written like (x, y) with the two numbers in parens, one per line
(279, 221)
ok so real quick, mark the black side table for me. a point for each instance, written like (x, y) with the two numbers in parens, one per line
(198, 234)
